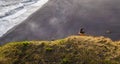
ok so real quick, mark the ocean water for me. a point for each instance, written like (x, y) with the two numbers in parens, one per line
(13, 12)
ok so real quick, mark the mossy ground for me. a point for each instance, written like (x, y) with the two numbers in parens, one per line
(71, 50)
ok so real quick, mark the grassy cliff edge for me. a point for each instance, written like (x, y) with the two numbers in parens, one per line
(71, 50)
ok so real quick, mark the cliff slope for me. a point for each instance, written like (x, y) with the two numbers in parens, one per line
(71, 50)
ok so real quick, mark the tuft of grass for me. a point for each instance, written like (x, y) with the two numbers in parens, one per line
(65, 61)
(48, 49)
(26, 43)
(71, 50)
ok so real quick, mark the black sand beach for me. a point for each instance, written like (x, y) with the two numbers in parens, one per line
(61, 18)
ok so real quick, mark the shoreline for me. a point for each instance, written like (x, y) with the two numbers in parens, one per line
(8, 23)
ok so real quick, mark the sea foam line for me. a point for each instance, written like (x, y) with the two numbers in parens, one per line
(19, 16)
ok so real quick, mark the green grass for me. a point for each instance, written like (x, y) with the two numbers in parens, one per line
(71, 50)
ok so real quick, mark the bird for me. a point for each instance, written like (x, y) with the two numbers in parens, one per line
(81, 32)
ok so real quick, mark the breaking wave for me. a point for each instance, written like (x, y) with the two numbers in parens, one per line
(14, 12)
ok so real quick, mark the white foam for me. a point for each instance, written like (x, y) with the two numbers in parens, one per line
(10, 21)
(40, 3)
(13, 16)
